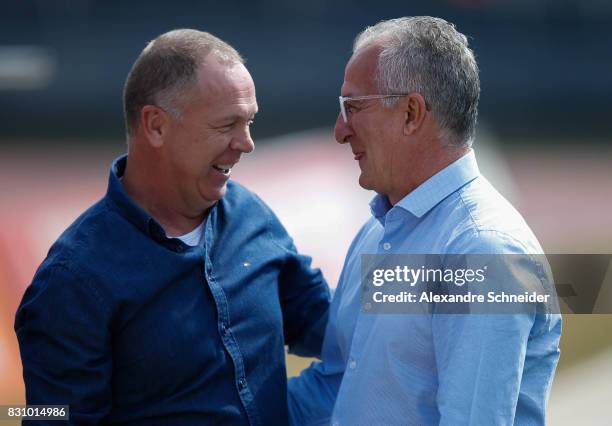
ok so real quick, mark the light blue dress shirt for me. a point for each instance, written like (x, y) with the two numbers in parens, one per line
(428, 369)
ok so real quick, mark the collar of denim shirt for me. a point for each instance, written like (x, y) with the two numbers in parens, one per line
(123, 204)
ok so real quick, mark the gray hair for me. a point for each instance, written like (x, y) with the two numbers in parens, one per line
(166, 72)
(429, 56)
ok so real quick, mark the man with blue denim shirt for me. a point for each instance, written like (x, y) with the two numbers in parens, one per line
(170, 300)
(408, 110)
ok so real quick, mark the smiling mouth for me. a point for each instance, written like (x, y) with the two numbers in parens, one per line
(358, 155)
(225, 169)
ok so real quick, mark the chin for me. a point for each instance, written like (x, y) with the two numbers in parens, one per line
(219, 193)
(212, 195)
(365, 183)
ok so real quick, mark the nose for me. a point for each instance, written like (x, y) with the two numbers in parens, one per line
(342, 131)
(243, 142)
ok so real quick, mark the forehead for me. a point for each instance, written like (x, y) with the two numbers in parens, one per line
(360, 72)
(226, 87)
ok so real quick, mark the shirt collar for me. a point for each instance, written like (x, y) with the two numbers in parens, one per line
(427, 195)
(124, 205)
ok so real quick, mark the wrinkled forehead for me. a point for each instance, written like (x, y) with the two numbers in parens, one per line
(360, 72)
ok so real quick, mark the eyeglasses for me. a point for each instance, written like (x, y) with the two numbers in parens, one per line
(343, 99)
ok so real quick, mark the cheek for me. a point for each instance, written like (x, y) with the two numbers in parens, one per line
(388, 158)
(204, 150)
(215, 144)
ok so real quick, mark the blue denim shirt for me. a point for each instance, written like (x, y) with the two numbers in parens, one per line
(433, 369)
(128, 326)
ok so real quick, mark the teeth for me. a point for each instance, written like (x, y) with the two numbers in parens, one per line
(225, 169)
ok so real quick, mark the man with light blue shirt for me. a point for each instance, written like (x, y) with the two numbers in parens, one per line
(408, 111)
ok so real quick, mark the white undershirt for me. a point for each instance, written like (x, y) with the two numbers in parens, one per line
(193, 238)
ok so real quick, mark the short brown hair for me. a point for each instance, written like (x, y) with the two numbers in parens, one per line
(167, 68)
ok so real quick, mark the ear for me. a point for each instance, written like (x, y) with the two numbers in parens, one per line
(154, 123)
(415, 111)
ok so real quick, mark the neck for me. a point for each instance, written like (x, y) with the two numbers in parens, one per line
(158, 197)
(420, 171)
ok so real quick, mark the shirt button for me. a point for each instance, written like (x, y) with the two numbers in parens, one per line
(353, 364)
(387, 246)
(242, 383)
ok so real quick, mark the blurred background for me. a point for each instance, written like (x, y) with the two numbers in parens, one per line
(544, 137)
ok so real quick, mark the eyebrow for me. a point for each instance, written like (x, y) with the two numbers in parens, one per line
(352, 95)
(233, 118)
(354, 100)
